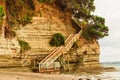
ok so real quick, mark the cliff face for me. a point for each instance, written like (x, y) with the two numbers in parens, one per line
(46, 21)
(83, 57)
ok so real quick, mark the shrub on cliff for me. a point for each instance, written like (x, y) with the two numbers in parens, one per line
(57, 40)
(24, 46)
(2, 13)
(25, 19)
(19, 12)
(48, 1)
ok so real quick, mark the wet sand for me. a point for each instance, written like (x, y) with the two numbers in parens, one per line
(39, 76)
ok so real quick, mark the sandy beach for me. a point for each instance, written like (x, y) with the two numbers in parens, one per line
(39, 76)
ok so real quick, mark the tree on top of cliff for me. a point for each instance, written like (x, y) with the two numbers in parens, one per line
(82, 9)
(21, 11)
(97, 29)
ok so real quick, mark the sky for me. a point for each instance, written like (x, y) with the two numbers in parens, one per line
(110, 46)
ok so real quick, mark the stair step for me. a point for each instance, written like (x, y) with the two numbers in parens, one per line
(47, 61)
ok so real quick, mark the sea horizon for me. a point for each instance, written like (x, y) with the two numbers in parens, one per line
(115, 64)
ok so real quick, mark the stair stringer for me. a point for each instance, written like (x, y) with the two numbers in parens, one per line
(45, 63)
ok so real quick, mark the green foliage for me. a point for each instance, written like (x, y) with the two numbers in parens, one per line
(49, 1)
(95, 28)
(43, 1)
(80, 8)
(75, 45)
(25, 19)
(57, 40)
(99, 19)
(24, 46)
(86, 35)
(2, 13)
(98, 29)
(20, 11)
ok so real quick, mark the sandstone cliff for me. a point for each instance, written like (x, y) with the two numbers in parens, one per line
(46, 21)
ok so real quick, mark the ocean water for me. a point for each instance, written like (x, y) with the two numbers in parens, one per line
(111, 64)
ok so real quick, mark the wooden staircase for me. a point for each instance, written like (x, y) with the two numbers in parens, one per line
(47, 61)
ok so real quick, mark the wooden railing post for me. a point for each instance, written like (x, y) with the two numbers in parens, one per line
(45, 63)
(39, 67)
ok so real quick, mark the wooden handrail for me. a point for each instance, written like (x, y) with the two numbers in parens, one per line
(60, 50)
(56, 53)
(50, 54)
(66, 41)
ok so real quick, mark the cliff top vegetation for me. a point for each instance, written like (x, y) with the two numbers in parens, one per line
(21, 12)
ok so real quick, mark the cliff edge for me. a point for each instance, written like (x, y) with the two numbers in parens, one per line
(36, 24)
